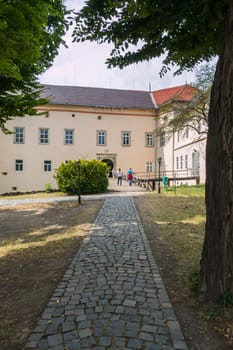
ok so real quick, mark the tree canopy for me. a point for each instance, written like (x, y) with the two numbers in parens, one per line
(30, 35)
(187, 32)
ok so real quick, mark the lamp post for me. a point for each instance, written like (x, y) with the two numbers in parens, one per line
(160, 162)
(79, 188)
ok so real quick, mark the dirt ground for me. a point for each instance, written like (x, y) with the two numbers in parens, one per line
(37, 245)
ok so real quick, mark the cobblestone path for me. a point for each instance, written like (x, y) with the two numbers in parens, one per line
(112, 295)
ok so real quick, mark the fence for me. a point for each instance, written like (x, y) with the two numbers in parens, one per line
(178, 177)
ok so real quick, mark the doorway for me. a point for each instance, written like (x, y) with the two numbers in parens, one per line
(109, 163)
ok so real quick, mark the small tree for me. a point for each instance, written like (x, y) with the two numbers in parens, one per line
(204, 75)
(191, 114)
(93, 177)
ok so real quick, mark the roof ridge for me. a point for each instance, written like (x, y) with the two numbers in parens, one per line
(174, 87)
(91, 87)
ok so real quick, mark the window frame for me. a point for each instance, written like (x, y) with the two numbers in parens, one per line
(43, 139)
(68, 137)
(149, 167)
(126, 135)
(19, 165)
(162, 140)
(186, 161)
(177, 162)
(149, 139)
(47, 166)
(21, 137)
(181, 162)
(101, 135)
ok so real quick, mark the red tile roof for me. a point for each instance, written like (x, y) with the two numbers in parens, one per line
(177, 93)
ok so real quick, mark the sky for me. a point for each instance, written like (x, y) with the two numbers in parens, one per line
(83, 64)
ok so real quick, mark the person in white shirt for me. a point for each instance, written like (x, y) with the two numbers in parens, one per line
(119, 177)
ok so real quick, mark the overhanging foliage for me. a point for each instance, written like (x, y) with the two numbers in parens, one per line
(187, 32)
(30, 35)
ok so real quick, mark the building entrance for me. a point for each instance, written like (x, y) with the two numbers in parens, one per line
(109, 159)
(109, 163)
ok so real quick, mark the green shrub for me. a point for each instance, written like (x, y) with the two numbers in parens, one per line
(93, 177)
(48, 187)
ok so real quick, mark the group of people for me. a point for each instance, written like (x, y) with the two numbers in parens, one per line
(120, 176)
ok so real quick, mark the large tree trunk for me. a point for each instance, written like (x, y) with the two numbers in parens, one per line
(216, 275)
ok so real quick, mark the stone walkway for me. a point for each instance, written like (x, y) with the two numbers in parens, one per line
(113, 190)
(112, 295)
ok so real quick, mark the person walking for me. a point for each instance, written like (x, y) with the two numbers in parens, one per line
(119, 177)
(130, 176)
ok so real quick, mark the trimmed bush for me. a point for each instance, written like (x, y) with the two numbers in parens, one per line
(93, 177)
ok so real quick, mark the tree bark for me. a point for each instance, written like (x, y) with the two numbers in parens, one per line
(216, 275)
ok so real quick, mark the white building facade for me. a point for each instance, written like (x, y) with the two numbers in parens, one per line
(182, 153)
(115, 126)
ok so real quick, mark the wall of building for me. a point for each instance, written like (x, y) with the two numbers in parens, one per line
(183, 154)
(85, 122)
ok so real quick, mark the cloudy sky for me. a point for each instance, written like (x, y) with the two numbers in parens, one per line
(83, 64)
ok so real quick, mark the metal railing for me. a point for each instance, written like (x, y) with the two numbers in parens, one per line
(150, 180)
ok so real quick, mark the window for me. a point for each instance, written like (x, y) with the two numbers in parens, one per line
(149, 139)
(44, 136)
(125, 138)
(47, 165)
(101, 138)
(69, 137)
(162, 140)
(177, 162)
(181, 162)
(198, 124)
(19, 135)
(187, 132)
(178, 136)
(149, 167)
(186, 161)
(19, 165)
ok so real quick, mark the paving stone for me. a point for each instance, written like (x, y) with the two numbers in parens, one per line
(135, 343)
(131, 333)
(146, 336)
(149, 328)
(69, 336)
(180, 345)
(67, 327)
(87, 342)
(106, 341)
(83, 333)
(51, 329)
(54, 340)
(81, 318)
(128, 302)
(152, 346)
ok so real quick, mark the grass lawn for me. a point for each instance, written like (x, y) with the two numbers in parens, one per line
(174, 223)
